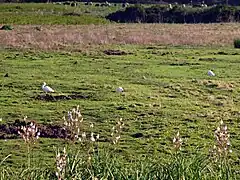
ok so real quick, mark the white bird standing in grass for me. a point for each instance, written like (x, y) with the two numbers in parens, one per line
(119, 89)
(210, 73)
(46, 89)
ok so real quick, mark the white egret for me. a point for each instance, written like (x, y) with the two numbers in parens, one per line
(210, 73)
(46, 89)
(119, 89)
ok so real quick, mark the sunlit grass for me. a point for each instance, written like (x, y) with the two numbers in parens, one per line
(166, 90)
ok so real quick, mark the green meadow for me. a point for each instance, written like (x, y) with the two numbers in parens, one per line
(117, 135)
(166, 90)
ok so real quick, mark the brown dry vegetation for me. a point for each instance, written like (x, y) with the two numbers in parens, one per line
(74, 37)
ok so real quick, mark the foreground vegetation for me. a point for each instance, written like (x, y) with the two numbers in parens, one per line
(166, 90)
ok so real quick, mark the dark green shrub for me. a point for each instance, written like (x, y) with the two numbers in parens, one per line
(237, 43)
(132, 14)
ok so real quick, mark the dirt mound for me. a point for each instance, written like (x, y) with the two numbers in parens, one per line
(10, 130)
(6, 27)
(207, 59)
(49, 97)
(115, 52)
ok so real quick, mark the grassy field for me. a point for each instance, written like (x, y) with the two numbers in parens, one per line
(30, 13)
(167, 89)
(163, 70)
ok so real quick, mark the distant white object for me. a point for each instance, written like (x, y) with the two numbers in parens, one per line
(210, 73)
(47, 89)
(119, 89)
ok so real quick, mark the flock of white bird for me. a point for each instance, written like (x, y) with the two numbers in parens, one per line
(48, 89)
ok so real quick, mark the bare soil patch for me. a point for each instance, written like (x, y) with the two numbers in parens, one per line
(59, 37)
(10, 130)
(49, 97)
(114, 52)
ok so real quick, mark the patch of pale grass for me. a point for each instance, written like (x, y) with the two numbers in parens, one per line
(218, 84)
(60, 37)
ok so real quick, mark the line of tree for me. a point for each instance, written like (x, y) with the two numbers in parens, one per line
(208, 2)
(177, 14)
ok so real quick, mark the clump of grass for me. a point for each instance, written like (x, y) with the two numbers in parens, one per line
(220, 153)
(222, 138)
(29, 133)
(116, 131)
(177, 142)
(61, 163)
(73, 123)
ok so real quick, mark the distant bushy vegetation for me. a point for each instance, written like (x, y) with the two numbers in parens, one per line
(209, 2)
(177, 14)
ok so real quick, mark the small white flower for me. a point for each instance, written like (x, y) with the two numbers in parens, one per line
(118, 137)
(178, 134)
(83, 135)
(225, 128)
(174, 140)
(92, 139)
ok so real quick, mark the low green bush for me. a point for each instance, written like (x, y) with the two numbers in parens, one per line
(236, 43)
